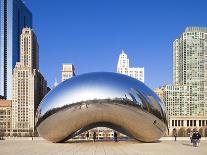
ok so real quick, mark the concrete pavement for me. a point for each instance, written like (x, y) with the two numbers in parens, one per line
(42, 147)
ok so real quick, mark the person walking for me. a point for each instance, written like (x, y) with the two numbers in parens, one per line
(191, 134)
(175, 134)
(87, 135)
(115, 136)
(94, 136)
(194, 141)
(196, 138)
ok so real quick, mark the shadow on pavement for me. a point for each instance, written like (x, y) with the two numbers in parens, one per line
(187, 144)
(132, 141)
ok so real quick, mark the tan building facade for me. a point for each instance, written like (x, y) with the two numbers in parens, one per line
(184, 125)
(5, 117)
(29, 86)
(68, 71)
(178, 104)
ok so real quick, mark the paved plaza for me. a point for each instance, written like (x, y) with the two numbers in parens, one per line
(42, 147)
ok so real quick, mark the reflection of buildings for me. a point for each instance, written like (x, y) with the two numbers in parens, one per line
(186, 98)
(29, 86)
(5, 116)
(14, 17)
(123, 68)
(101, 133)
(68, 71)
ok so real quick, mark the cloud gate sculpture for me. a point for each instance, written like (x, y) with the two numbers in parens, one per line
(101, 99)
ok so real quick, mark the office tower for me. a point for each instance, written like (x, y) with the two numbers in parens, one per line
(5, 117)
(186, 99)
(29, 86)
(68, 71)
(190, 67)
(14, 17)
(123, 68)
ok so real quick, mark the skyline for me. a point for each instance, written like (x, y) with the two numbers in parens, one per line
(92, 37)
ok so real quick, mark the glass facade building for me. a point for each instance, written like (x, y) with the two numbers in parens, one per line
(14, 17)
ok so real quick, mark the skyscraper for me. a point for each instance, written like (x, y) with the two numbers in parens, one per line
(123, 68)
(190, 66)
(186, 99)
(14, 17)
(68, 71)
(29, 86)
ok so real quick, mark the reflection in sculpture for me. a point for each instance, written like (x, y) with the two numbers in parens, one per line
(101, 99)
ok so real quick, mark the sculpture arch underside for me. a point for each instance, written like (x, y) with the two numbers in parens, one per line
(75, 120)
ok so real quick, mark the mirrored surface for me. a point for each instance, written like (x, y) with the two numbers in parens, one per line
(104, 99)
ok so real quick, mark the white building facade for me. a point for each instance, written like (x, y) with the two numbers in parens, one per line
(123, 68)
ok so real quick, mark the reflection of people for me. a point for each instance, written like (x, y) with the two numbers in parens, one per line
(87, 135)
(196, 138)
(94, 136)
(115, 136)
(175, 134)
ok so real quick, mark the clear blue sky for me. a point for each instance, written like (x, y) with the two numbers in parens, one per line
(91, 34)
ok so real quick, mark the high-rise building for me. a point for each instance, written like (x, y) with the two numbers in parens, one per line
(14, 17)
(186, 99)
(29, 86)
(68, 71)
(190, 67)
(123, 68)
(5, 117)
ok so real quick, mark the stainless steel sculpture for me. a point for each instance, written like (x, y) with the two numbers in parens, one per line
(104, 99)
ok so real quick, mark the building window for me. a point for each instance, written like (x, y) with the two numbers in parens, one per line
(194, 122)
(191, 122)
(199, 122)
(203, 123)
(182, 123)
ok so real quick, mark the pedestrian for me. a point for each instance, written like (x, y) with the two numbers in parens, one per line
(191, 134)
(87, 135)
(94, 136)
(175, 134)
(115, 136)
(196, 138)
